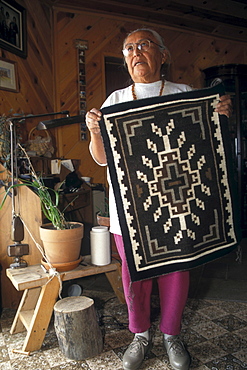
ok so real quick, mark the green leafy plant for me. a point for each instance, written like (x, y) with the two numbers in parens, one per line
(104, 211)
(49, 198)
(5, 138)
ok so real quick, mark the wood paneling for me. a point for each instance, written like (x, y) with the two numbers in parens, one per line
(27, 204)
(36, 71)
(222, 18)
(190, 55)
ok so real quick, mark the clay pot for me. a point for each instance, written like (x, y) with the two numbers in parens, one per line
(103, 221)
(62, 246)
(61, 267)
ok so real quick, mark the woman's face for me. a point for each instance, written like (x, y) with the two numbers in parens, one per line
(144, 66)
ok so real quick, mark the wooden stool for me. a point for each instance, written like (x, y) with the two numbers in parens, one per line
(79, 335)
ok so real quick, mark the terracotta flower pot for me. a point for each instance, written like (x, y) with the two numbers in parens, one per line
(61, 267)
(103, 221)
(62, 246)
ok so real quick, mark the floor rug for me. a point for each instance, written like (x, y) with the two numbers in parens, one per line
(171, 168)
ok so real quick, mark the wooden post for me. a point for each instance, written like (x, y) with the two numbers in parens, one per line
(79, 335)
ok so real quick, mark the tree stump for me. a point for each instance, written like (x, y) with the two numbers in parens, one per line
(79, 335)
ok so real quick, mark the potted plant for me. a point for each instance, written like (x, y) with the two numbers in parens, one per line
(103, 216)
(61, 239)
(5, 137)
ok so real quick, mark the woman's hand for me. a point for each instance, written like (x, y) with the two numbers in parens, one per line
(224, 106)
(92, 120)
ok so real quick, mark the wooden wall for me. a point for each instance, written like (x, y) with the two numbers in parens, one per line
(191, 53)
(36, 82)
(27, 205)
(48, 77)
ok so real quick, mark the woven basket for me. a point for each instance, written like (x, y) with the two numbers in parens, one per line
(40, 145)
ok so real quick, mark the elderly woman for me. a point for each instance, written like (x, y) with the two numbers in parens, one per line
(145, 55)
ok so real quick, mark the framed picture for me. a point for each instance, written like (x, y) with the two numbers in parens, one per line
(13, 26)
(8, 75)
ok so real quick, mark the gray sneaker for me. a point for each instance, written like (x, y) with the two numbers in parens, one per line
(178, 356)
(136, 352)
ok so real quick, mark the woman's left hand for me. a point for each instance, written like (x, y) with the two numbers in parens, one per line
(224, 106)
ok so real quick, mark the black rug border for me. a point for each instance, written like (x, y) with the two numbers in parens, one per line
(217, 89)
(122, 107)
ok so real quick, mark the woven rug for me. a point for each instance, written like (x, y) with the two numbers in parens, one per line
(170, 165)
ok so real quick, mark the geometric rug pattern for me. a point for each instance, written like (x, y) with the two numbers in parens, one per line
(171, 169)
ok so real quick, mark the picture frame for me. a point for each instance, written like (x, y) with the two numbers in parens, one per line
(13, 28)
(8, 75)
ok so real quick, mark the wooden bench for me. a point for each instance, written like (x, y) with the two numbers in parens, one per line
(39, 296)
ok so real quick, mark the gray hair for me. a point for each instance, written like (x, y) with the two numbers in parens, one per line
(160, 41)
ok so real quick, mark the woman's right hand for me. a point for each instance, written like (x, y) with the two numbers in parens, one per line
(92, 120)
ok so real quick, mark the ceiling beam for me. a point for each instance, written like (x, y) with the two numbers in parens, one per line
(222, 18)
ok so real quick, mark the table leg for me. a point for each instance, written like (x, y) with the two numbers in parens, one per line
(41, 316)
(115, 279)
(27, 304)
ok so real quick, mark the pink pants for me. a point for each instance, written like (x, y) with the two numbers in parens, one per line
(173, 292)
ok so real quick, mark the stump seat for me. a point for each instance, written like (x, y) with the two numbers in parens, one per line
(79, 335)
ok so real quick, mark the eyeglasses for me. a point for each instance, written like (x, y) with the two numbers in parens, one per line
(142, 45)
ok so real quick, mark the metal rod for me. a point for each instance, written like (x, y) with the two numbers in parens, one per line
(11, 127)
(43, 125)
(66, 112)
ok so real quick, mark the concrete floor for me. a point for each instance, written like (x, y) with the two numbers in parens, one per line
(224, 279)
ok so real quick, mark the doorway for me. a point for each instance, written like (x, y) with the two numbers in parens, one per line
(116, 75)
